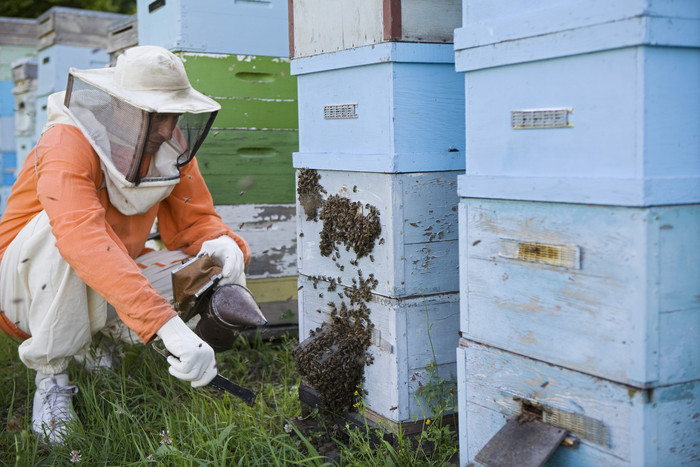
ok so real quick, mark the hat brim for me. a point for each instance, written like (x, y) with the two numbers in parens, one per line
(186, 100)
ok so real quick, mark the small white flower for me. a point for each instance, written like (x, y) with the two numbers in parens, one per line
(287, 427)
(166, 437)
(75, 456)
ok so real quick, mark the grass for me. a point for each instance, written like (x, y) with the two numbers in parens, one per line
(138, 414)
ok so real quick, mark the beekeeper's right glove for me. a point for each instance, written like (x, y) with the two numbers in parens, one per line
(192, 359)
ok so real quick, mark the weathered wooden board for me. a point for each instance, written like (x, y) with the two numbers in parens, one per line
(9, 54)
(270, 230)
(17, 31)
(25, 111)
(415, 253)
(627, 310)
(120, 36)
(488, 21)
(249, 167)
(320, 26)
(616, 424)
(409, 335)
(54, 62)
(74, 27)
(406, 111)
(615, 103)
(256, 27)
(24, 74)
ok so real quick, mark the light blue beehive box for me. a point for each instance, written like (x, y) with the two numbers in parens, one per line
(24, 76)
(253, 27)
(584, 102)
(391, 107)
(586, 311)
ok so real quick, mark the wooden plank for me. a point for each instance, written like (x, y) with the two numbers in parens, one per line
(18, 32)
(249, 167)
(519, 305)
(639, 424)
(75, 27)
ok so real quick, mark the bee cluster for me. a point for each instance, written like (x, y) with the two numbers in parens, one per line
(333, 357)
(309, 192)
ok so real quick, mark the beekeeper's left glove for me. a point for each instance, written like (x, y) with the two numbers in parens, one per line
(226, 252)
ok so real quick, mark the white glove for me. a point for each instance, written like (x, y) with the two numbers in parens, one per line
(192, 359)
(226, 252)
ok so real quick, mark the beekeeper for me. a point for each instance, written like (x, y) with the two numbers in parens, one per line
(116, 154)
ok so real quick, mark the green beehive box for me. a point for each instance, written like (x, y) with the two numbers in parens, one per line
(247, 158)
(249, 166)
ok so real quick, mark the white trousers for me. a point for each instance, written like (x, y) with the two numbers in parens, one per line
(44, 297)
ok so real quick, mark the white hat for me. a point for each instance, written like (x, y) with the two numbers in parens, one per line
(150, 78)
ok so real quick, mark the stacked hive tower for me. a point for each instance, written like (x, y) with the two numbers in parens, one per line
(380, 148)
(17, 41)
(579, 219)
(237, 53)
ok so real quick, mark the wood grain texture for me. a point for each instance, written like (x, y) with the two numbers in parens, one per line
(401, 345)
(630, 313)
(644, 427)
(416, 252)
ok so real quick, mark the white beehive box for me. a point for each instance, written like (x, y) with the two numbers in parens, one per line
(608, 291)
(401, 345)
(393, 107)
(252, 27)
(415, 253)
(320, 26)
(603, 112)
(616, 425)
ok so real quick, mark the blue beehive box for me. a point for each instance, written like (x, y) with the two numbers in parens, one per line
(415, 252)
(401, 347)
(55, 61)
(607, 423)
(253, 27)
(584, 104)
(607, 291)
(391, 107)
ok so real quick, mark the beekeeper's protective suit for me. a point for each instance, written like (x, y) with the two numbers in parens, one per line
(116, 153)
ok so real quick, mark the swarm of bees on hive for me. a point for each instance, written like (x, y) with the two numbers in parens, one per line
(332, 359)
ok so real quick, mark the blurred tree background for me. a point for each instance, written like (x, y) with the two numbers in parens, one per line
(34, 8)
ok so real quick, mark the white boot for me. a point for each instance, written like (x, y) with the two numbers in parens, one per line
(53, 407)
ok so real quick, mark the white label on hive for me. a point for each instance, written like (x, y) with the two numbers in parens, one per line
(567, 256)
(340, 111)
(540, 118)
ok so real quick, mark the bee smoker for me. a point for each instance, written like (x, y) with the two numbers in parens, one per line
(230, 309)
(224, 310)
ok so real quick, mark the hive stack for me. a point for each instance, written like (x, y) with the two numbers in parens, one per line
(68, 37)
(381, 114)
(122, 35)
(237, 53)
(17, 41)
(578, 223)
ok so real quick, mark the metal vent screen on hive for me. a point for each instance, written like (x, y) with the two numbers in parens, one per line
(340, 111)
(540, 118)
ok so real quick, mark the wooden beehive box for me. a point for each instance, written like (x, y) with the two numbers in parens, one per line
(55, 61)
(319, 26)
(18, 32)
(121, 35)
(584, 105)
(401, 345)
(247, 157)
(251, 27)
(608, 291)
(610, 423)
(270, 231)
(74, 27)
(393, 107)
(415, 252)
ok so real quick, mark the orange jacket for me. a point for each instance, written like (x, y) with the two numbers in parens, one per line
(97, 240)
